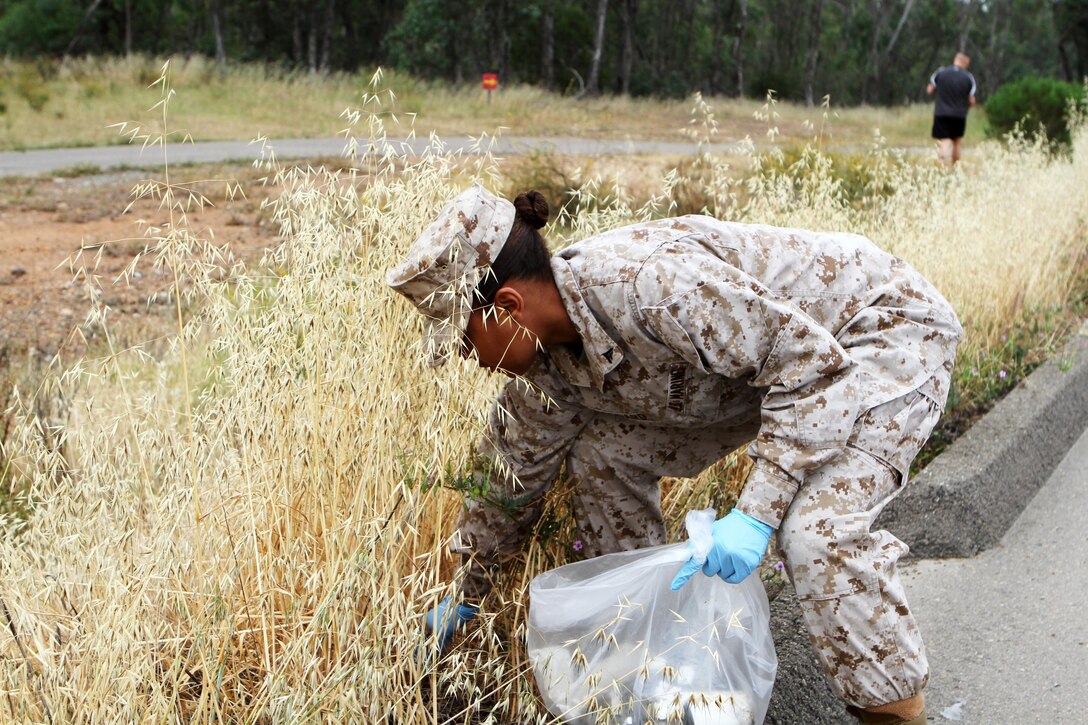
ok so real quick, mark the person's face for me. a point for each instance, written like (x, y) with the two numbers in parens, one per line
(499, 341)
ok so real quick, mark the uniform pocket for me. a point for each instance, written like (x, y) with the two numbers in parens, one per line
(895, 431)
(824, 421)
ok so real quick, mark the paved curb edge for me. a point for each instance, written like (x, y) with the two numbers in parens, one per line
(966, 498)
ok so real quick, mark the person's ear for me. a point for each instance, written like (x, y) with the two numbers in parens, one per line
(510, 300)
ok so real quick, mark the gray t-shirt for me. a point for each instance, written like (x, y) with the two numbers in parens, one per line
(955, 86)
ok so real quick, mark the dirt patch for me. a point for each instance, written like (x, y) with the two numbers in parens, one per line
(46, 221)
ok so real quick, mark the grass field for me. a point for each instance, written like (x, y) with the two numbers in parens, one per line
(245, 521)
(72, 103)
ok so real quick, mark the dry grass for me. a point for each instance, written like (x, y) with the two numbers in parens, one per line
(245, 525)
(70, 104)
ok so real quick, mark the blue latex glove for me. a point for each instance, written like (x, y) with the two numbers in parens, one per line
(739, 543)
(445, 619)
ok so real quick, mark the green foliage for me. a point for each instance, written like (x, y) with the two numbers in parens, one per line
(1036, 105)
(868, 52)
(425, 41)
(35, 27)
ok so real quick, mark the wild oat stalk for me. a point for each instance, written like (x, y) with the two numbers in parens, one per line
(294, 412)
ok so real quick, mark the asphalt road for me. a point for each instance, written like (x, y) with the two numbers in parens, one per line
(30, 163)
(1007, 630)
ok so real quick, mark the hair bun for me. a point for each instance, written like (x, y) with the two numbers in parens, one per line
(532, 208)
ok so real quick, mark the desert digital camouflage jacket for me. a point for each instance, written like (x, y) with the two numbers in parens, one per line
(692, 321)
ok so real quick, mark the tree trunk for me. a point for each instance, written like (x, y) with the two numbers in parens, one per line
(296, 35)
(351, 38)
(128, 27)
(1079, 35)
(738, 47)
(311, 43)
(592, 85)
(718, 50)
(812, 53)
(898, 29)
(454, 60)
(326, 42)
(504, 43)
(499, 39)
(630, 14)
(886, 56)
(666, 34)
(1067, 69)
(547, 46)
(217, 30)
(79, 29)
(870, 90)
(999, 38)
(686, 41)
(967, 15)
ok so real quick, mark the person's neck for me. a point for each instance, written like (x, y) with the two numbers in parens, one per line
(551, 323)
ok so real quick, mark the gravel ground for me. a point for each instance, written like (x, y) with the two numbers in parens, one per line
(44, 222)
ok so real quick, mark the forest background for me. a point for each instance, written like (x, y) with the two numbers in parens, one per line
(855, 51)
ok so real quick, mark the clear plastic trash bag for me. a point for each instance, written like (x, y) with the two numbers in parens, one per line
(610, 642)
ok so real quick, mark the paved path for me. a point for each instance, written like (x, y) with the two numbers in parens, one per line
(28, 163)
(1007, 631)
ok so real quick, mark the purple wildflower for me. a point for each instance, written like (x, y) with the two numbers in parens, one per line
(779, 566)
(577, 545)
(1002, 374)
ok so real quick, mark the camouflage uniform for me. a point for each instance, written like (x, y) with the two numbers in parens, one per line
(699, 336)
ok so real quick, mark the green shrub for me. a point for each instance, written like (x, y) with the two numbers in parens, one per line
(545, 172)
(1037, 104)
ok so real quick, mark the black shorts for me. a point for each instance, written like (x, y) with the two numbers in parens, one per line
(948, 127)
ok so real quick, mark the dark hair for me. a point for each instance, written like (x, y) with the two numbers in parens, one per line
(525, 254)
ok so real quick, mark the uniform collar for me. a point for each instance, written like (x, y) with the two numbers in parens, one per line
(600, 353)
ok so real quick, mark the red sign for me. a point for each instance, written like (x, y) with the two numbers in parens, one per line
(491, 81)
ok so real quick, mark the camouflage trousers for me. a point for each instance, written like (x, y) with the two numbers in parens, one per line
(845, 574)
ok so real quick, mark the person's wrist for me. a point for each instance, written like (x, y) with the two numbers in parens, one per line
(466, 611)
(755, 523)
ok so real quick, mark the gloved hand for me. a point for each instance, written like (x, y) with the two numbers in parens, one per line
(739, 544)
(445, 619)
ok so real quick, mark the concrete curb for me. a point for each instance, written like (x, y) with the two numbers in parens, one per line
(967, 497)
(962, 503)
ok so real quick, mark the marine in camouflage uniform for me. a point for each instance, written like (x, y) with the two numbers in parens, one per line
(699, 336)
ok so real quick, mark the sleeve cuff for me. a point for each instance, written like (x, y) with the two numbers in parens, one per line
(767, 493)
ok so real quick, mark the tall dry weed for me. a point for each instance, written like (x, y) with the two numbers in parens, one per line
(251, 521)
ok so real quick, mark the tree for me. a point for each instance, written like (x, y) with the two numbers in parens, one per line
(217, 29)
(718, 33)
(1000, 14)
(629, 15)
(878, 59)
(1071, 21)
(812, 51)
(592, 85)
(738, 46)
(547, 45)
